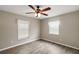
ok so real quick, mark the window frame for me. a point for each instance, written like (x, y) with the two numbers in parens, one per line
(53, 33)
(28, 29)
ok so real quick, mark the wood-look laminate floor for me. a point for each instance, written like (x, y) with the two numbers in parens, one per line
(40, 47)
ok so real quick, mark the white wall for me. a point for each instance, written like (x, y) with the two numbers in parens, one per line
(69, 30)
(9, 33)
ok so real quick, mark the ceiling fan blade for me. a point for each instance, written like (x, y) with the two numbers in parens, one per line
(44, 14)
(46, 9)
(29, 12)
(31, 7)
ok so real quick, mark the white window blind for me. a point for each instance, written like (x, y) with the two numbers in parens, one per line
(23, 29)
(54, 27)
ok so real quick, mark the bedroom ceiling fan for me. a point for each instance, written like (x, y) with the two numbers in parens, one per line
(38, 11)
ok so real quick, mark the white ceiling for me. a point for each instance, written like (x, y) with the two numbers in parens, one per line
(55, 9)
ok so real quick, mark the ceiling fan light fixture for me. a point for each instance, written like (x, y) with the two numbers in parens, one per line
(37, 14)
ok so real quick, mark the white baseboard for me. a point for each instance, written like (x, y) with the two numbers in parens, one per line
(18, 44)
(61, 44)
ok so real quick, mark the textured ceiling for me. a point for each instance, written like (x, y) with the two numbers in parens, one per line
(55, 10)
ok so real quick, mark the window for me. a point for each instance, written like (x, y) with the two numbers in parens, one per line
(23, 29)
(54, 27)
